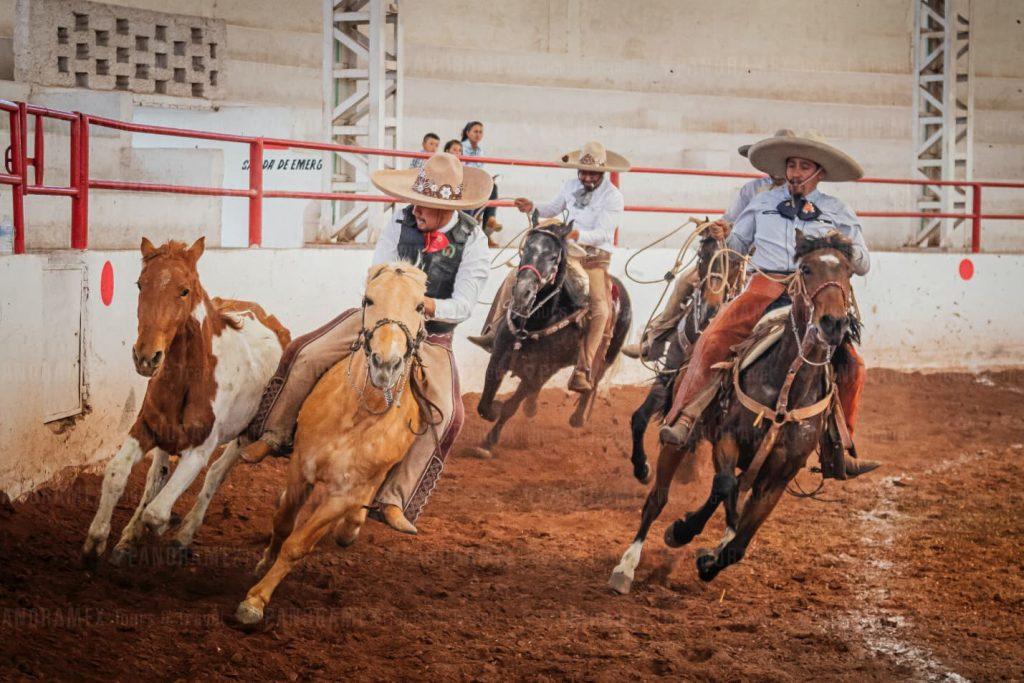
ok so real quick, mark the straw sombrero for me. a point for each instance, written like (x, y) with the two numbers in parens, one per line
(594, 157)
(780, 133)
(770, 156)
(441, 183)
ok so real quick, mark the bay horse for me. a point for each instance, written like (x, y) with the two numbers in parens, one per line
(540, 333)
(769, 445)
(720, 278)
(208, 361)
(349, 435)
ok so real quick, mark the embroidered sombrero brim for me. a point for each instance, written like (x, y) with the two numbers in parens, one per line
(398, 183)
(613, 162)
(770, 156)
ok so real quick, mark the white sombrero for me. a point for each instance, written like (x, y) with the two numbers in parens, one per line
(780, 133)
(770, 156)
(441, 183)
(594, 157)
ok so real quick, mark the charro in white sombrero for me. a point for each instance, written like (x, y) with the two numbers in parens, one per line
(441, 183)
(594, 157)
(770, 156)
(780, 133)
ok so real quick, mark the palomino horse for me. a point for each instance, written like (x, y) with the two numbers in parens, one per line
(208, 361)
(348, 438)
(540, 335)
(720, 279)
(769, 444)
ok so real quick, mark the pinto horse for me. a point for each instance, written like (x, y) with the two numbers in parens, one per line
(349, 437)
(208, 361)
(540, 335)
(720, 278)
(791, 386)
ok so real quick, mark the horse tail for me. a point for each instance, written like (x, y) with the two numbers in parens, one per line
(622, 322)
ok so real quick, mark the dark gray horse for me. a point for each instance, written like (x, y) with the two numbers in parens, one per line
(719, 281)
(789, 377)
(540, 332)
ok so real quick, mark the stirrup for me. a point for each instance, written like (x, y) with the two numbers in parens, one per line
(676, 434)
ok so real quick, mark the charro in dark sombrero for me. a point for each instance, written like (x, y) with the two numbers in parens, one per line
(594, 157)
(441, 183)
(770, 156)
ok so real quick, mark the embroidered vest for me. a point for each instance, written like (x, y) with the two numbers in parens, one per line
(442, 266)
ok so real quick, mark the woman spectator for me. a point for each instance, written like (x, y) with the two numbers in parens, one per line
(472, 134)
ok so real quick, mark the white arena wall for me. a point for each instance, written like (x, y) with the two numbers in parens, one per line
(919, 314)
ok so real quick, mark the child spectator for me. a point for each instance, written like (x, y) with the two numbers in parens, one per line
(453, 147)
(430, 143)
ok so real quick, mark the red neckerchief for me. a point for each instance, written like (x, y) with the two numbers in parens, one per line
(435, 240)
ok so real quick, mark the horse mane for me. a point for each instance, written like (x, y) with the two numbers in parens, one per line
(833, 240)
(169, 248)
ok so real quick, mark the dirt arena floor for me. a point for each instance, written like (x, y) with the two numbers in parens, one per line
(915, 572)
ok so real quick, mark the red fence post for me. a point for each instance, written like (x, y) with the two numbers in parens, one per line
(18, 190)
(256, 188)
(614, 177)
(80, 181)
(976, 219)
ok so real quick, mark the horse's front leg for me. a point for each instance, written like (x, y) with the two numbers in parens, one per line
(114, 479)
(724, 489)
(159, 468)
(508, 409)
(497, 366)
(638, 424)
(157, 515)
(214, 478)
(668, 461)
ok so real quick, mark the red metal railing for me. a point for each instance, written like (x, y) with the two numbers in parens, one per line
(81, 182)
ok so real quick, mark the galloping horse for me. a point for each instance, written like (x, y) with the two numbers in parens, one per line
(720, 279)
(540, 334)
(208, 361)
(770, 445)
(348, 438)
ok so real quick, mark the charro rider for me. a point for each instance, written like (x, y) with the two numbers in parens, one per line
(655, 338)
(769, 224)
(434, 234)
(595, 208)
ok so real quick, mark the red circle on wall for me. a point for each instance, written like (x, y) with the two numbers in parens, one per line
(107, 284)
(966, 269)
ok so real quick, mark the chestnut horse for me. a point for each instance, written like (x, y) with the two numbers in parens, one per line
(349, 435)
(208, 361)
(791, 387)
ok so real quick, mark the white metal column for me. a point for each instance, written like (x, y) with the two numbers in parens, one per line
(362, 104)
(943, 109)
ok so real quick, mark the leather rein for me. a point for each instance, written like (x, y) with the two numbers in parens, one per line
(517, 321)
(409, 358)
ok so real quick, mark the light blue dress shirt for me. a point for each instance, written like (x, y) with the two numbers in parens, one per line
(760, 225)
(468, 150)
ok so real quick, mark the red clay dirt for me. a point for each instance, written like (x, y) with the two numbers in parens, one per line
(914, 573)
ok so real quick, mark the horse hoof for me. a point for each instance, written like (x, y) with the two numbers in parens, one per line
(491, 412)
(479, 452)
(706, 567)
(121, 557)
(642, 474)
(577, 421)
(248, 614)
(90, 560)
(530, 407)
(179, 553)
(620, 582)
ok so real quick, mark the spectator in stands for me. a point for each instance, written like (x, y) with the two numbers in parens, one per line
(430, 143)
(453, 147)
(472, 134)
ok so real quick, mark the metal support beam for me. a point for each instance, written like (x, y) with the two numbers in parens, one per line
(362, 104)
(943, 110)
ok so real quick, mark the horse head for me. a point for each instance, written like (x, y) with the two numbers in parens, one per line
(169, 293)
(822, 285)
(542, 264)
(392, 320)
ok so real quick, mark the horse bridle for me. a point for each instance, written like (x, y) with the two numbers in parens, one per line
(544, 281)
(412, 353)
(798, 289)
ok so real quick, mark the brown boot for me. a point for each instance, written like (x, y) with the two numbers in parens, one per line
(395, 518)
(676, 434)
(579, 382)
(632, 350)
(484, 341)
(855, 468)
(256, 451)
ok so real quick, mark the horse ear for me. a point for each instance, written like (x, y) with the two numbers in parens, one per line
(799, 239)
(196, 250)
(563, 229)
(146, 248)
(534, 218)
